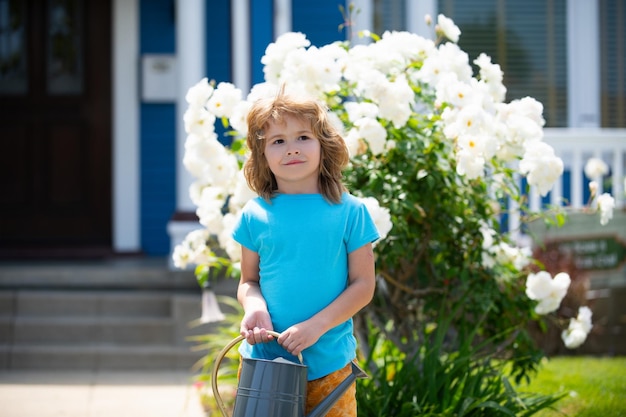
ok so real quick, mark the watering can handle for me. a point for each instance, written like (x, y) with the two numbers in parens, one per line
(218, 361)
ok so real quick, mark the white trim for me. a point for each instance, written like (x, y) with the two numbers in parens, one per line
(125, 126)
(416, 13)
(282, 17)
(190, 51)
(240, 24)
(190, 55)
(583, 63)
(362, 19)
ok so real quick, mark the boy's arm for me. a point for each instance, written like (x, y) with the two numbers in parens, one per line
(256, 320)
(360, 290)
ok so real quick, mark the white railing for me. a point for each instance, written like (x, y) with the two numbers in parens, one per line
(575, 147)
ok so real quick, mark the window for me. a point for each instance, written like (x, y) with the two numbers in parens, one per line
(527, 39)
(613, 63)
(64, 64)
(13, 65)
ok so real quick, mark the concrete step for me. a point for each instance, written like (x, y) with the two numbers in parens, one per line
(132, 273)
(124, 314)
(98, 329)
(100, 303)
(97, 357)
(90, 330)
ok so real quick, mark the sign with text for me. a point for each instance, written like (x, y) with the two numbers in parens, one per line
(592, 253)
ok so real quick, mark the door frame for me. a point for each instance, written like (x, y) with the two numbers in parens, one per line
(125, 202)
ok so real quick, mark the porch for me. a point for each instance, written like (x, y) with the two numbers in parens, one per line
(116, 314)
(606, 285)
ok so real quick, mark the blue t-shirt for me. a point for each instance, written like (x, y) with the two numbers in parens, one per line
(303, 242)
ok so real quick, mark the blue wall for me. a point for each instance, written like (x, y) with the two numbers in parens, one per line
(218, 41)
(261, 35)
(158, 121)
(158, 135)
(319, 20)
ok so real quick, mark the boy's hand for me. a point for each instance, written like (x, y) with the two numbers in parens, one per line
(254, 327)
(300, 336)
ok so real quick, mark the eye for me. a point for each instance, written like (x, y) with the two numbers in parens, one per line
(304, 137)
(277, 141)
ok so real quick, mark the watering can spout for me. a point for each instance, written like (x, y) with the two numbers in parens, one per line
(327, 403)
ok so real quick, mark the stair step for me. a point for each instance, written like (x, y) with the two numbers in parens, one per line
(88, 330)
(142, 273)
(98, 357)
(90, 303)
(102, 315)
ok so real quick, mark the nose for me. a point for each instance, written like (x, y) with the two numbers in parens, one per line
(293, 151)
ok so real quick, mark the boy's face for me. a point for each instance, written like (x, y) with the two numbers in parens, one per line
(293, 154)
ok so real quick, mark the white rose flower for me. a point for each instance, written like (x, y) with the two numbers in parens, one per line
(579, 327)
(225, 97)
(469, 164)
(198, 151)
(547, 291)
(360, 110)
(448, 28)
(241, 193)
(606, 204)
(192, 250)
(312, 71)
(238, 118)
(409, 46)
(199, 94)
(456, 60)
(181, 256)
(528, 107)
(373, 133)
(199, 121)
(573, 336)
(276, 52)
(393, 98)
(452, 91)
(542, 167)
(596, 168)
(380, 216)
(209, 210)
(492, 76)
(225, 238)
(355, 143)
(593, 187)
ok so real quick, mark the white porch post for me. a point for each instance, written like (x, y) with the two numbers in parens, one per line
(240, 18)
(282, 17)
(190, 54)
(125, 111)
(583, 63)
(416, 11)
(363, 20)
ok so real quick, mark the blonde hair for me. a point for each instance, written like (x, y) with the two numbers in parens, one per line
(334, 152)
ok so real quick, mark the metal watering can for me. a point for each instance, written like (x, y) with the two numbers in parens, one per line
(275, 388)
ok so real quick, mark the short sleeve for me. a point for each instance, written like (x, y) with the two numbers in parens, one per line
(242, 233)
(362, 230)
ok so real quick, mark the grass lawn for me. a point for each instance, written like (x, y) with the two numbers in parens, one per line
(596, 386)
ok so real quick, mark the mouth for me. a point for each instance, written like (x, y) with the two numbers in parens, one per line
(294, 162)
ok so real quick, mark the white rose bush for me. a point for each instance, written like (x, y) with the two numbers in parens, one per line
(437, 156)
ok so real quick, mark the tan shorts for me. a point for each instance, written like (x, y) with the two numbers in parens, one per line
(318, 389)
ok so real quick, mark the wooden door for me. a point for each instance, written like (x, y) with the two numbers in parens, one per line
(55, 123)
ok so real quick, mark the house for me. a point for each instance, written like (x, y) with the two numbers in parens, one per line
(92, 96)
(91, 105)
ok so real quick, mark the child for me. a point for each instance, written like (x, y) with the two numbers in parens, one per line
(307, 264)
